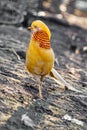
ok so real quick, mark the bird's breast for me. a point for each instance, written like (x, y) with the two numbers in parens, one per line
(39, 57)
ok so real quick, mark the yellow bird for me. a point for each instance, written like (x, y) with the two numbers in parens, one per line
(40, 56)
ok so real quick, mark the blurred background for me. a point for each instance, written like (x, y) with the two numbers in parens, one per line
(67, 20)
(21, 12)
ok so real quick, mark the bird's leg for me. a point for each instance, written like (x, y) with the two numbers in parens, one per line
(40, 87)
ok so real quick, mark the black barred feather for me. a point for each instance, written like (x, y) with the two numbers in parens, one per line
(42, 38)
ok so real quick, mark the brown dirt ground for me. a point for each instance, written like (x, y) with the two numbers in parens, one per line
(18, 89)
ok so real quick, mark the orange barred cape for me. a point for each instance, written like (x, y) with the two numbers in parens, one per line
(42, 38)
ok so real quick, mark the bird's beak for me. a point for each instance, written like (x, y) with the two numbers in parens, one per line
(30, 28)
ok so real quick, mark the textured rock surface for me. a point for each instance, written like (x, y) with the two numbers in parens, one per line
(18, 89)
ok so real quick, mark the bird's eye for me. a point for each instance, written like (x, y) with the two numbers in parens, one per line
(35, 26)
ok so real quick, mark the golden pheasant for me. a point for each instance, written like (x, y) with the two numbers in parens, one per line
(40, 55)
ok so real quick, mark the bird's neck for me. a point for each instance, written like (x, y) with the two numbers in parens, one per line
(42, 39)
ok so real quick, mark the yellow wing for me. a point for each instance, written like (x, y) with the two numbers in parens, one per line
(39, 60)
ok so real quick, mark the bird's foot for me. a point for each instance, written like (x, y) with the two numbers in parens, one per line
(40, 95)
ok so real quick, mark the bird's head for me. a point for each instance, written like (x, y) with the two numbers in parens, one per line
(39, 25)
